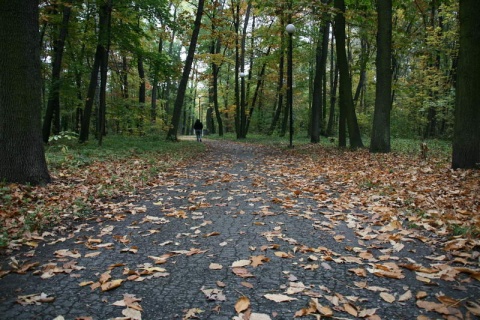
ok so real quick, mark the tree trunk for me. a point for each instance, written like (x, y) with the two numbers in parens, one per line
(215, 50)
(142, 92)
(279, 101)
(177, 108)
(53, 105)
(333, 90)
(345, 94)
(243, 115)
(466, 140)
(255, 94)
(320, 66)
(22, 158)
(104, 13)
(380, 141)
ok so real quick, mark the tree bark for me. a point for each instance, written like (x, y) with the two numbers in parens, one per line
(466, 140)
(380, 141)
(177, 108)
(345, 94)
(22, 158)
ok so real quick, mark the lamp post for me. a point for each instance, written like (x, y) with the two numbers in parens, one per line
(290, 28)
(200, 107)
(242, 105)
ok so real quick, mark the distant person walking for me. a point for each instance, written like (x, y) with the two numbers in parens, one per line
(198, 127)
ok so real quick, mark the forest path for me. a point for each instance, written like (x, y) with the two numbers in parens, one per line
(240, 221)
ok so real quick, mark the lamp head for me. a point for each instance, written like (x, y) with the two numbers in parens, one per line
(290, 28)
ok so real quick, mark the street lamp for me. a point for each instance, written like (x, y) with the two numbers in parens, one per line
(290, 28)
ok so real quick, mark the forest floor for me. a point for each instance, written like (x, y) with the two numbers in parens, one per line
(248, 232)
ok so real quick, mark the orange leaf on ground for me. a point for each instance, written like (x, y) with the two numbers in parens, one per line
(242, 304)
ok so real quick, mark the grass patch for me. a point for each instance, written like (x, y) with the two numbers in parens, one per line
(77, 155)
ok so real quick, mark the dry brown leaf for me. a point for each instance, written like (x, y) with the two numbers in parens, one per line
(350, 309)
(192, 313)
(211, 234)
(215, 266)
(241, 263)
(433, 306)
(35, 299)
(406, 296)
(359, 272)
(279, 297)
(473, 307)
(387, 297)
(282, 254)
(242, 272)
(110, 285)
(258, 260)
(247, 284)
(242, 304)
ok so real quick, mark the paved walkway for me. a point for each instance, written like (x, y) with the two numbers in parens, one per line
(228, 226)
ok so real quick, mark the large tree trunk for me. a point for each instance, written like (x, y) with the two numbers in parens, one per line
(182, 88)
(466, 140)
(22, 158)
(345, 94)
(53, 105)
(380, 141)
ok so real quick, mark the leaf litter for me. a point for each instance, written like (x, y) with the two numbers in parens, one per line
(399, 205)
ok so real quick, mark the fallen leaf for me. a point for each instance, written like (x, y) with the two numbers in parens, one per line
(215, 266)
(359, 272)
(211, 234)
(387, 297)
(35, 299)
(406, 296)
(242, 304)
(279, 297)
(214, 294)
(350, 309)
(282, 254)
(241, 263)
(473, 307)
(247, 284)
(242, 272)
(192, 313)
(258, 260)
(110, 285)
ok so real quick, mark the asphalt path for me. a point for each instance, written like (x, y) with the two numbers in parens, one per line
(228, 235)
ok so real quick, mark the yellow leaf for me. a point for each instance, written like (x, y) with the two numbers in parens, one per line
(242, 304)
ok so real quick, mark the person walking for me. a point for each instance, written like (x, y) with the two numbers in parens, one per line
(198, 127)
